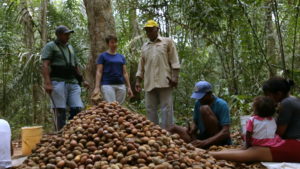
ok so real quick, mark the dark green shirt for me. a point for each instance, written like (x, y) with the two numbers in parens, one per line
(289, 114)
(52, 52)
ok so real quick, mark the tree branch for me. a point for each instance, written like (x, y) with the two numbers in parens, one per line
(256, 37)
(295, 38)
(275, 11)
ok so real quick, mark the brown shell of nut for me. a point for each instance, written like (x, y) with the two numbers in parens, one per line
(108, 135)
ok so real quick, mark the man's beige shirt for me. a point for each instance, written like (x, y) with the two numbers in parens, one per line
(156, 63)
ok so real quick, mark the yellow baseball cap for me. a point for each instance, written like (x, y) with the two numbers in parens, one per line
(150, 24)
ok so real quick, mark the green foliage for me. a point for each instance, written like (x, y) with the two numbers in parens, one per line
(223, 42)
(23, 101)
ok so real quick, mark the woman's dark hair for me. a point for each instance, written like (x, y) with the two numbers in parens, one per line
(277, 84)
(264, 106)
(110, 37)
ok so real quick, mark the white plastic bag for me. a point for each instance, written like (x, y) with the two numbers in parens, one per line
(272, 165)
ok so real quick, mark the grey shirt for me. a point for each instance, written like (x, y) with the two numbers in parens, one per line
(289, 114)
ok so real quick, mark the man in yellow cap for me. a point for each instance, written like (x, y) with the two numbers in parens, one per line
(159, 68)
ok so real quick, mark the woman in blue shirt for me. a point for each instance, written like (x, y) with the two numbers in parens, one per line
(111, 74)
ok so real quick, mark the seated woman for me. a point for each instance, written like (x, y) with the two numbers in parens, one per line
(288, 127)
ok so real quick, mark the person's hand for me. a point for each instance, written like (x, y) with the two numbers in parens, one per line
(96, 91)
(198, 143)
(86, 84)
(129, 92)
(192, 129)
(189, 130)
(48, 88)
(138, 86)
(173, 82)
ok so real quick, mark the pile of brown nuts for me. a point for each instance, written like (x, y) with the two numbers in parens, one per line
(110, 136)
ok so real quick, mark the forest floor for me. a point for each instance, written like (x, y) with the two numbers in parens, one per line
(17, 145)
(18, 158)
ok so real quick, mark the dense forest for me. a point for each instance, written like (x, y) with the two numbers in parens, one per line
(234, 44)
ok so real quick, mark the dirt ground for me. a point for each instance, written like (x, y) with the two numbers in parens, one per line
(17, 145)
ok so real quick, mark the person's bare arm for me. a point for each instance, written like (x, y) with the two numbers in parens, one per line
(79, 73)
(98, 78)
(125, 74)
(281, 130)
(248, 139)
(46, 75)
(174, 63)
(285, 116)
(139, 75)
(252, 154)
(173, 82)
(192, 129)
(138, 81)
(77, 68)
(219, 137)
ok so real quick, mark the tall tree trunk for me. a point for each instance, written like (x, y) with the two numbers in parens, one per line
(44, 38)
(254, 33)
(133, 24)
(234, 75)
(27, 22)
(270, 44)
(43, 22)
(4, 80)
(28, 36)
(279, 34)
(134, 33)
(101, 23)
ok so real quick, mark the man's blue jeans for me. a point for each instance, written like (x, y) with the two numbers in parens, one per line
(65, 95)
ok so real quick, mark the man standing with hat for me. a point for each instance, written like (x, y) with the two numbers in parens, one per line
(61, 76)
(159, 68)
(211, 119)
